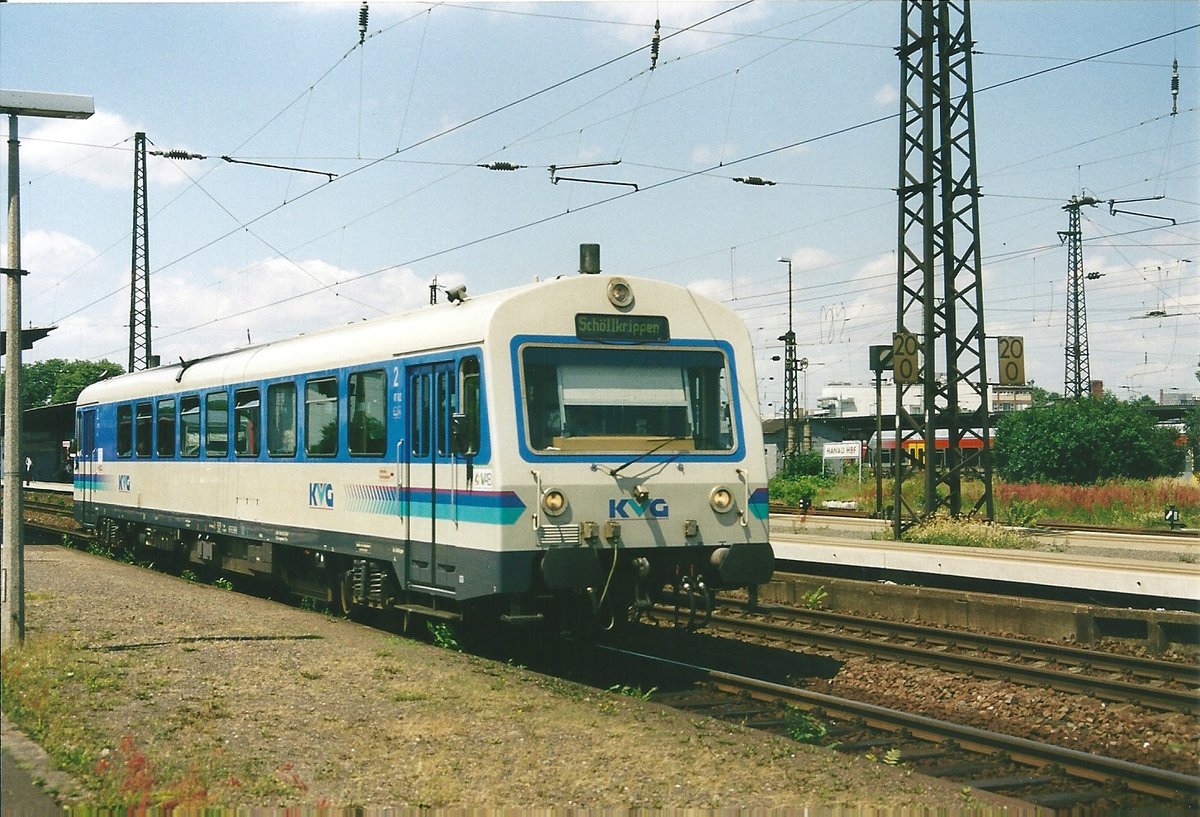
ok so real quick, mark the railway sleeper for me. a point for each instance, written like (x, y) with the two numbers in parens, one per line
(1066, 799)
(1007, 783)
(956, 770)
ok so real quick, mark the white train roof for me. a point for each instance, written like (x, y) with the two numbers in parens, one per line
(546, 307)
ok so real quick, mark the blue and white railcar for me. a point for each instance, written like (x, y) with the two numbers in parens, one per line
(589, 439)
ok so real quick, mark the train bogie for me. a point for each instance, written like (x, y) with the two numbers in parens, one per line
(593, 438)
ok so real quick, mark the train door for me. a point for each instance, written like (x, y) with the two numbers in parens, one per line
(431, 477)
(87, 465)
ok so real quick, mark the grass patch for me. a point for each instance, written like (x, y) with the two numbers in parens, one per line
(1123, 503)
(42, 682)
(966, 533)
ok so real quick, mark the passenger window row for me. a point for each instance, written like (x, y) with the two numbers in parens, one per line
(153, 427)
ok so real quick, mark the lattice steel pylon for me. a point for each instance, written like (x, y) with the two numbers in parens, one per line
(939, 232)
(139, 286)
(1078, 380)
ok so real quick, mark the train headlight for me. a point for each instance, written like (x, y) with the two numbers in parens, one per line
(553, 502)
(721, 499)
(620, 294)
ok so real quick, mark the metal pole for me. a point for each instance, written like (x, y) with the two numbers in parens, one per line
(789, 375)
(13, 592)
(879, 443)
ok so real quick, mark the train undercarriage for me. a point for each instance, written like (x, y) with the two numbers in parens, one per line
(600, 592)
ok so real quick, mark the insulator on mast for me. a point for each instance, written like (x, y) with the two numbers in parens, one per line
(757, 181)
(362, 23)
(1175, 87)
(176, 154)
(654, 46)
(501, 166)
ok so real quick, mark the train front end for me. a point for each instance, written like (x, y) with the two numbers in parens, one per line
(638, 437)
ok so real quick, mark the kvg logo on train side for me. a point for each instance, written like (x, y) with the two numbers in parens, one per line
(320, 495)
(624, 508)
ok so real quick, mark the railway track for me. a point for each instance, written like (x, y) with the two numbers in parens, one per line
(1050, 776)
(1166, 686)
(1042, 774)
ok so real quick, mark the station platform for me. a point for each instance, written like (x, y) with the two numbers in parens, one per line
(1153, 569)
(57, 487)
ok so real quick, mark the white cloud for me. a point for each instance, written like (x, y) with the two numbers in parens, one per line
(98, 150)
(52, 254)
(197, 312)
(275, 298)
(713, 288)
(887, 96)
(810, 258)
(706, 156)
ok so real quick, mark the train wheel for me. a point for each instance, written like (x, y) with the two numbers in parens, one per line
(343, 594)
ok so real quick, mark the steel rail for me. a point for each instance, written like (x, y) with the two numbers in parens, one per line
(1153, 668)
(1186, 701)
(1161, 783)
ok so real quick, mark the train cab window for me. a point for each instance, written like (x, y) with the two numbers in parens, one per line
(469, 407)
(635, 400)
(166, 427)
(281, 420)
(320, 417)
(189, 426)
(216, 424)
(124, 431)
(368, 427)
(143, 430)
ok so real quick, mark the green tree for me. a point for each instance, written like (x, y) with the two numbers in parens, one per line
(1191, 427)
(1191, 423)
(1084, 441)
(48, 382)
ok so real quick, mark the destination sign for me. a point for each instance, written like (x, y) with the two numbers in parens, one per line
(638, 328)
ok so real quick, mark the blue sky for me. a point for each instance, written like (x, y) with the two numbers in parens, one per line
(241, 252)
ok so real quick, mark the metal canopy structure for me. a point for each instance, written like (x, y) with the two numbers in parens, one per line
(29, 337)
(941, 384)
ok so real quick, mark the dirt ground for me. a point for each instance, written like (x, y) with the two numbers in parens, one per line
(151, 689)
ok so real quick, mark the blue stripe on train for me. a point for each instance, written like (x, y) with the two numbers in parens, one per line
(487, 507)
(758, 503)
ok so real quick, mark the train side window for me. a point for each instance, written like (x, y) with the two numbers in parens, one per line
(320, 417)
(368, 428)
(419, 411)
(246, 422)
(216, 424)
(124, 431)
(143, 428)
(166, 427)
(469, 407)
(281, 420)
(189, 426)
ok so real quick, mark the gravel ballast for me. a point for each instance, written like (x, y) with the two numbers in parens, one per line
(148, 688)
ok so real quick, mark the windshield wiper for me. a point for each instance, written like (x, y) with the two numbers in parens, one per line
(614, 471)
